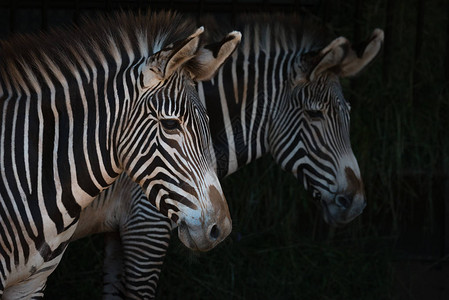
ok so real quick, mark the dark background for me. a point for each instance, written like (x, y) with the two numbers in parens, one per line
(280, 248)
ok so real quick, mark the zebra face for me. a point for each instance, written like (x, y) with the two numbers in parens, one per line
(328, 168)
(185, 188)
(310, 136)
(311, 140)
(169, 156)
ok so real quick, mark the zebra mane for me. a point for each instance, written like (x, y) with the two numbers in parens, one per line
(140, 34)
(292, 32)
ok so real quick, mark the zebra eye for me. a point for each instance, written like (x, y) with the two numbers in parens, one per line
(171, 124)
(315, 114)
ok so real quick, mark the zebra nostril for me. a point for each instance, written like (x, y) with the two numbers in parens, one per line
(343, 201)
(214, 232)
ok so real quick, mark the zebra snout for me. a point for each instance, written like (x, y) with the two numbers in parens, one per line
(211, 226)
(341, 207)
(348, 201)
(345, 208)
(203, 237)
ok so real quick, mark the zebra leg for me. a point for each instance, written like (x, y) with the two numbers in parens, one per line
(145, 243)
(113, 267)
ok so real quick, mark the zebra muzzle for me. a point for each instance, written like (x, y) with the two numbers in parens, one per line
(198, 239)
(342, 208)
(203, 228)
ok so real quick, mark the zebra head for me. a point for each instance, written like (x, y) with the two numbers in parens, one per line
(310, 134)
(166, 146)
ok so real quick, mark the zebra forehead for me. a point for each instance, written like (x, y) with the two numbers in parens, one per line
(326, 89)
(181, 100)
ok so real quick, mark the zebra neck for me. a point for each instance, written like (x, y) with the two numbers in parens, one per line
(70, 124)
(240, 101)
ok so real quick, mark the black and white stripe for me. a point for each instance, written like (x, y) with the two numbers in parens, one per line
(78, 107)
(279, 93)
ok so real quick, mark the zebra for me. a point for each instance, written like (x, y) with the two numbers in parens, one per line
(80, 106)
(279, 94)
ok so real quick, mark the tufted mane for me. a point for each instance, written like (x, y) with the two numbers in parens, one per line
(294, 32)
(140, 34)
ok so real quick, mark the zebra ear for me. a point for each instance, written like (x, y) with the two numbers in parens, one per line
(330, 57)
(362, 54)
(210, 58)
(340, 57)
(162, 64)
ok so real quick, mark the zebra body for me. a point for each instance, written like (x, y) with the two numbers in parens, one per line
(79, 107)
(279, 94)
